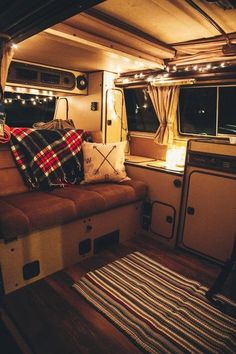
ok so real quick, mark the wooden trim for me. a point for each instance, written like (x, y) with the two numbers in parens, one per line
(65, 33)
(35, 18)
(125, 27)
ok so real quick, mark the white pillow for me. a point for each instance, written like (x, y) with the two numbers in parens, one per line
(104, 162)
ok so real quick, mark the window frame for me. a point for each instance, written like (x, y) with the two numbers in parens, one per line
(218, 135)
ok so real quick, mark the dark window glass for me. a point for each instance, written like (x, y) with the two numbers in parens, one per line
(227, 110)
(197, 110)
(23, 110)
(140, 112)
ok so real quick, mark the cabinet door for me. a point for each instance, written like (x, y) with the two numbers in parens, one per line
(163, 219)
(210, 216)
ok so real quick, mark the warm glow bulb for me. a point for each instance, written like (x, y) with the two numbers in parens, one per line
(175, 157)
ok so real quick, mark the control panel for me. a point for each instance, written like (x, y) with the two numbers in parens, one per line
(212, 161)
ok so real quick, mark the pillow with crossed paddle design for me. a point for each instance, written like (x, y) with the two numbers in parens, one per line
(104, 162)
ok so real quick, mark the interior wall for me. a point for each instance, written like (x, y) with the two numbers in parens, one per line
(114, 119)
(80, 109)
(108, 113)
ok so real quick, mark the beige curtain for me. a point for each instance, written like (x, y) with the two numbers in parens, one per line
(6, 55)
(202, 52)
(165, 102)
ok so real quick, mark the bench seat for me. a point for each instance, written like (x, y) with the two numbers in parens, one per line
(24, 213)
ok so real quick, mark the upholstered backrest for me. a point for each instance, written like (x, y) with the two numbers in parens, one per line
(11, 181)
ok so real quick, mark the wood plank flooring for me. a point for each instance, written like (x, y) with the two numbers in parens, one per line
(52, 318)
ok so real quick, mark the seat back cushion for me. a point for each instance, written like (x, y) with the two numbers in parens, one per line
(11, 181)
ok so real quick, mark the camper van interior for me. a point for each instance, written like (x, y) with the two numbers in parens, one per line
(118, 176)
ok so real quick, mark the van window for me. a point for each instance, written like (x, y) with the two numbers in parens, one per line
(140, 112)
(23, 110)
(227, 110)
(207, 110)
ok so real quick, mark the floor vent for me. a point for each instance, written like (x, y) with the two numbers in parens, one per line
(84, 247)
(31, 270)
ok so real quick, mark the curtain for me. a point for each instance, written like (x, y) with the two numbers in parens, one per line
(6, 55)
(202, 52)
(165, 102)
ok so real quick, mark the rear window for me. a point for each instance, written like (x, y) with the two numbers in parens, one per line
(23, 110)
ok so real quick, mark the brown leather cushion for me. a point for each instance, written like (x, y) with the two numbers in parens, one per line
(11, 181)
(25, 212)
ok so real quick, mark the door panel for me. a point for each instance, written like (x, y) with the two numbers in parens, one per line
(163, 219)
(210, 217)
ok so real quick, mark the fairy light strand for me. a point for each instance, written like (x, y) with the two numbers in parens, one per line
(165, 75)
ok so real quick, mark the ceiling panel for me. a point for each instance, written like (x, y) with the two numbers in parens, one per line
(170, 21)
(49, 50)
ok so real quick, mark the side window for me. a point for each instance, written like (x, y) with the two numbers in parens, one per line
(140, 112)
(197, 110)
(207, 110)
(227, 110)
(23, 110)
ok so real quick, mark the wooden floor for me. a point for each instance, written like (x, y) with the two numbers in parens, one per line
(52, 318)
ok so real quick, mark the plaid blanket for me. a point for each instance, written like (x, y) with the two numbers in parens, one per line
(48, 158)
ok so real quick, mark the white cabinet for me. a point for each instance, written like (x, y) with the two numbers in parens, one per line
(210, 215)
(208, 212)
(164, 194)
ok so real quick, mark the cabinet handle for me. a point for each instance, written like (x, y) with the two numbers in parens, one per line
(169, 219)
(88, 228)
(177, 183)
(190, 210)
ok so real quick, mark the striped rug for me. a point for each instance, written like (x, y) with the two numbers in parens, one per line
(160, 310)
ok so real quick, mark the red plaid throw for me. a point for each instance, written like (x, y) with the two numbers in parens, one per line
(48, 158)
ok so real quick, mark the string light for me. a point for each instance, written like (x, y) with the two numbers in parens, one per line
(32, 100)
(170, 72)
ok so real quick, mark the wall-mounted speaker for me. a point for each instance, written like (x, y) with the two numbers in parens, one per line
(81, 82)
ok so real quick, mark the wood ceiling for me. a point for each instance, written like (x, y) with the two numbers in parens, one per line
(127, 35)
